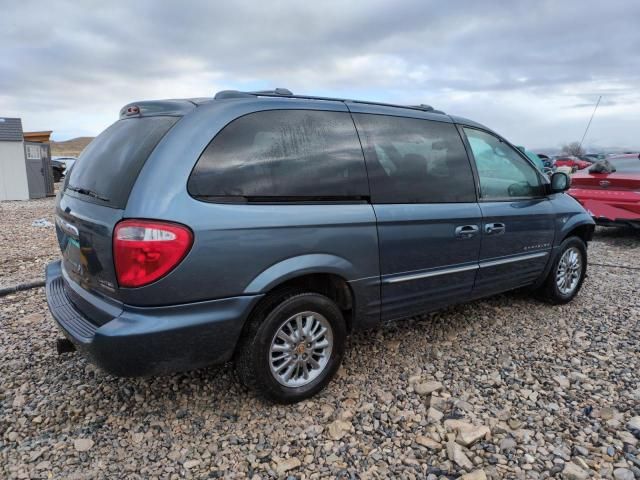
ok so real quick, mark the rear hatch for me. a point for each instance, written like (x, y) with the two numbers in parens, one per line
(96, 191)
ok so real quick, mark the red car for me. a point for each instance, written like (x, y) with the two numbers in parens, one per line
(612, 199)
(574, 162)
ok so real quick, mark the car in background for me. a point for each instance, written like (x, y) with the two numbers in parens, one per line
(61, 166)
(537, 161)
(612, 199)
(58, 168)
(67, 161)
(573, 162)
(593, 157)
(548, 162)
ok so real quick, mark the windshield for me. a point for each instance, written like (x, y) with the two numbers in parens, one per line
(107, 169)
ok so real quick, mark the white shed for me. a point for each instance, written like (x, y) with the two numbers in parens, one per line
(13, 171)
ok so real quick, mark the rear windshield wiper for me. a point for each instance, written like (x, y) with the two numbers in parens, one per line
(86, 191)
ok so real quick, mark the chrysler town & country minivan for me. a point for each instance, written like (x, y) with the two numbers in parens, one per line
(265, 227)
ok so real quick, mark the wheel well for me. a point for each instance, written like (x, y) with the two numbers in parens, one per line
(585, 232)
(330, 285)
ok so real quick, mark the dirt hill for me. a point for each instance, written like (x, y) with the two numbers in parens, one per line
(71, 147)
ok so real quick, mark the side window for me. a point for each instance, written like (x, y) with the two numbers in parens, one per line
(283, 153)
(414, 161)
(503, 172)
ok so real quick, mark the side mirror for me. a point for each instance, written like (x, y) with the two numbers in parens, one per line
(560, 182)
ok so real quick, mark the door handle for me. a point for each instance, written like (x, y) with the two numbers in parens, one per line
(494, 228)
(466, 231)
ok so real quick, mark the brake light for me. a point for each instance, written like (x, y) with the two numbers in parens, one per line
(146, 250)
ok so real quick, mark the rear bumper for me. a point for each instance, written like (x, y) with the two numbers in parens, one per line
(140, 341)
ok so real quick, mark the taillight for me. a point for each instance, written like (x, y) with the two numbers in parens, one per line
(146, 250)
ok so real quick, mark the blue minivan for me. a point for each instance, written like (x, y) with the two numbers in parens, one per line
(265, 227)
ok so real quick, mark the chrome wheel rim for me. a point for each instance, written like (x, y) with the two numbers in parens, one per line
(569, 271)
(301, 348)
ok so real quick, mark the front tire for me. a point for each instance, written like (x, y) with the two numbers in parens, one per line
(567, 273)
(293, 346)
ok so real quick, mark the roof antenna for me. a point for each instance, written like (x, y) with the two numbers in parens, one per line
(590, 120)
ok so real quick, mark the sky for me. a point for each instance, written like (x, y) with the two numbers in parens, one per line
(531, 70)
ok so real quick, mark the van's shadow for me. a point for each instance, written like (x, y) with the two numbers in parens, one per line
(218, 388)
(618, 236)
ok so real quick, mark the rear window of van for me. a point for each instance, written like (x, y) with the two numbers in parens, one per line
(107, 169)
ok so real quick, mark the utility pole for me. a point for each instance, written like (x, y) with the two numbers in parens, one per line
(590, 120)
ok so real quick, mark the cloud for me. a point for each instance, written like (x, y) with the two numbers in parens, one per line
(527, 69)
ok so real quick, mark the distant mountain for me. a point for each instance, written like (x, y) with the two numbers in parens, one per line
(71, 147)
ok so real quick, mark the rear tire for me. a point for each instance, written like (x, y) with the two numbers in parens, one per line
(292, 347)
(567, 273)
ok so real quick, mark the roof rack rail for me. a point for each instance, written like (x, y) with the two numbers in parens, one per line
(426, 108)
(284, 92)
(280, 92)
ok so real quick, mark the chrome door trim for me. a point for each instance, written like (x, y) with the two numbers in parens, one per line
(432, 273)
(517, 258)
(465, 268)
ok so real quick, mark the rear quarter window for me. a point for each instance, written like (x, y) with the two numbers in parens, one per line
(108, 167)
(282, 155)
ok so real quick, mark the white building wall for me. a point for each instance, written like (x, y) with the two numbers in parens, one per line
(13, 172)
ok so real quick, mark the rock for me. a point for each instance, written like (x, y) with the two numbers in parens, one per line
(284, 465)
(634, 423)
(338, 429)
(507, 443)
(464, 406)
(469, 434)
(428, 442)
(433, 415)
(623, 474)
(82, 444)
(427, 388)
(572, 471)
(475, 475)
(44, 465)
(18, 401)
(514, 424)
(454, 424)
(607, 413)
(628, 438)
(189, 464)
(562, 381)
(456, 454)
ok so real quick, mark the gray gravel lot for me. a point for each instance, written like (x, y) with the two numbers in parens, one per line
(505, 388)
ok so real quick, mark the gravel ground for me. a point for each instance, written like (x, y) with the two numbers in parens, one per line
(502, 388)
(26, 249)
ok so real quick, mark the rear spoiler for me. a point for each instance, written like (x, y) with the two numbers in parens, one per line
(152, 108)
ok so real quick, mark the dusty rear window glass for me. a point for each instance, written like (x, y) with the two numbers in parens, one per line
(109, 166)
(282, 153)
